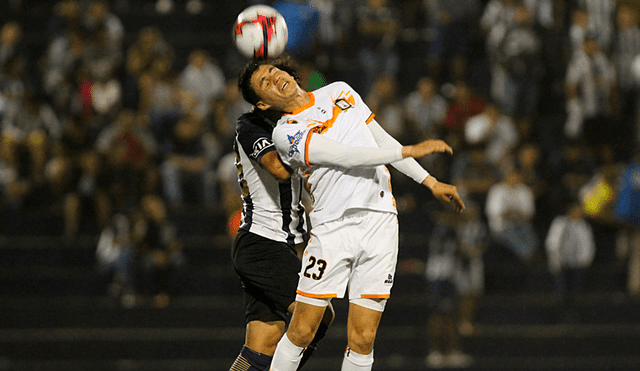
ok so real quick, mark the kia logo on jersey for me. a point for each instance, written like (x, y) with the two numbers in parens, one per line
(260, 145)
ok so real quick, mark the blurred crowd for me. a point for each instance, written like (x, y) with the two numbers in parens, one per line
(109, 120)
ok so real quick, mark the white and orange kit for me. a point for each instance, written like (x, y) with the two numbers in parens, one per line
(354, 236)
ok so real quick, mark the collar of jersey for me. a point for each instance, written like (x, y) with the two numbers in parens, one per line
(312, 101)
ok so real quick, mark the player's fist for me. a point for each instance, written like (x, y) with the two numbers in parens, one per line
(425, 148)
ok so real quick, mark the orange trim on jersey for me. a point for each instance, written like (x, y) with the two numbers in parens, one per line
(369, 119)
(312, 102)
(337, 109)
(317, 296)
(306, 148)
(384, 296)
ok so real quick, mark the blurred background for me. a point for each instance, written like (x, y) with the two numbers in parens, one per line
(119, 198)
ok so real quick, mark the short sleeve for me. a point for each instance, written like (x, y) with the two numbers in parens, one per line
(254, 135)
(291, 141)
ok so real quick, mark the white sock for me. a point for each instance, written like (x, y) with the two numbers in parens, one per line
(287, 356)
(357, 362)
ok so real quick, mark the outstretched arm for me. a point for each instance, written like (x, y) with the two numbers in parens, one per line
(411, 168)
(325, 151)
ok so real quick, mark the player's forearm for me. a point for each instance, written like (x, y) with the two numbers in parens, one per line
(408, 166)
(323, 151)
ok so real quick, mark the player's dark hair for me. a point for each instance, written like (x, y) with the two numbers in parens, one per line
(249, 94)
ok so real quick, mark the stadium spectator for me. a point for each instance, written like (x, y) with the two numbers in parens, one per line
(626, 48)
(627, 212)
(510, 209)
(498, 16)
(160, 97)
(150, 44)
(64, 55)
(494, 129)
(86, 195)
(425, 109)
(100, 17)
(223, 113)
(520, 55)
(30, 124)
(443, 322)
(117, 258)
(12, 43)
(598, 197)
(452, 24)
(473, 238)
(189, 150)
(204, 79)
(383, 100)
(578, 29)
(590, 95)
(601, 20)
(377, 25)
(463, 104)
(571, 248)
(474, 174)
(162, 258)
(528, 158)
(66, 15)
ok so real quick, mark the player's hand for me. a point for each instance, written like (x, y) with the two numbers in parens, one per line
(448, 193)
(425, 148)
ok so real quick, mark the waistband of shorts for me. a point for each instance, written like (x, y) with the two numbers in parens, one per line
(359, 213)
(356, 213)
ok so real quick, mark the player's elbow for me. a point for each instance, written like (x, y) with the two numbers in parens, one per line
(280, 174)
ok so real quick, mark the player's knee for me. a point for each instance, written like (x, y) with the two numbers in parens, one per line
(263, 337)
(361, 341)
(301, 335)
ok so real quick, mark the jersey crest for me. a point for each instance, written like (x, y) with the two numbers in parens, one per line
(343, 104)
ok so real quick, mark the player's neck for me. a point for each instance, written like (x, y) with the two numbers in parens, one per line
(301, 99)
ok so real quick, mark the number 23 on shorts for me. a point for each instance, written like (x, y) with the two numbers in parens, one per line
(315, 269)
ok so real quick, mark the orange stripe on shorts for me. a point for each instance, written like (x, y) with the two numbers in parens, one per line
(383, 296)
(317, 296)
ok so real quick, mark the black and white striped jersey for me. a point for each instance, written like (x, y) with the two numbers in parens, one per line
(271, 209)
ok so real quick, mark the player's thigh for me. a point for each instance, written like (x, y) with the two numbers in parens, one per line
(326, 262)
(269, 274)
(373, 272)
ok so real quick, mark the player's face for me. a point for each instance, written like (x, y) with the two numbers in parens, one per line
(276, 87)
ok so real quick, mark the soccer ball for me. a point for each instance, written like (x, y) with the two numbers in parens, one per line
(260, 32)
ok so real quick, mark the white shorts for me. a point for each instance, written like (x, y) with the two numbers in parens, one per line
(357, 252)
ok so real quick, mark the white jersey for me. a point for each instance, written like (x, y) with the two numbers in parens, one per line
(271, 209)
(337, 112)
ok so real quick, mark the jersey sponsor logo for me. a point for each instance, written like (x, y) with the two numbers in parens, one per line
(259, 145)
(294, 141)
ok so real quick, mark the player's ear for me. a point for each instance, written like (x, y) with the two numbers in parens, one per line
(263, 106)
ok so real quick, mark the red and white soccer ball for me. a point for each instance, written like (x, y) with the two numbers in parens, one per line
(260, 32)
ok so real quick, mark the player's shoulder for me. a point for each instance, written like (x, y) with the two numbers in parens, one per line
(336, 86)
(251, 121)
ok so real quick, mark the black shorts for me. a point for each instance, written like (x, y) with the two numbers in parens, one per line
(268, 271)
